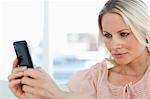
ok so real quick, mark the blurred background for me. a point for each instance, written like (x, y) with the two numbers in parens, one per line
(62, 35)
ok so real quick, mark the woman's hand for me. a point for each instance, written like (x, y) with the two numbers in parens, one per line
(15, 82)
(39, 83)
(36, 84)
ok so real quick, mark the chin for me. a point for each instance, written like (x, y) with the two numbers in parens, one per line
(121, 62)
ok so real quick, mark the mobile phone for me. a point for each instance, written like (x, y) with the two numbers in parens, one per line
(23, 54)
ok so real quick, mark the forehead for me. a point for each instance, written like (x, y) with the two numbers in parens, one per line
(113, 22)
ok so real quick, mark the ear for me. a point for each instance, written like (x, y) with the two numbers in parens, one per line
(146, 41)
(147, 38)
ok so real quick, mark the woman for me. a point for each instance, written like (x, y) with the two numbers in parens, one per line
(124, 27)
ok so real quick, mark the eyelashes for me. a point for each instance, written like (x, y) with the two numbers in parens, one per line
(122, 35)
(107, 35)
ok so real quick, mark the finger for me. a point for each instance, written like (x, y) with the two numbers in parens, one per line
(13, 83)
(15, 63)
(19, 69)
(28, 89)
(34, 91)
(33, 73)
(15, 76)
(29, 81)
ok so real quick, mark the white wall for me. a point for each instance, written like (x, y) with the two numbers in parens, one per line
(20, 19)
(72, 17)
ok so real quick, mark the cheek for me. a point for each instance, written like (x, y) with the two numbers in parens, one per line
(138, 49)
(107, 45)
(135, 47)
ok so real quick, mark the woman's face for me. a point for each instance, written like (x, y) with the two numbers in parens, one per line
(119, 40)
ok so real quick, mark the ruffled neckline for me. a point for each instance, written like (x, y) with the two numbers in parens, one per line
(130, 83)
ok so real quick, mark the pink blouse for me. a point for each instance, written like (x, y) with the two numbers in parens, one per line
(93, 82)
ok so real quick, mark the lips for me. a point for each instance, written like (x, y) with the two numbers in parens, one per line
(119, 55)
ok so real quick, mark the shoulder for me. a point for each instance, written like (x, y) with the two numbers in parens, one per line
(98, 69)
(91, 73)
(87, 79)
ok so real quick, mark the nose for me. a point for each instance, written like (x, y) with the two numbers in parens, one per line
(116, 43)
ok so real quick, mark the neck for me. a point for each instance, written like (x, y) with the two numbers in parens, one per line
(138, 66)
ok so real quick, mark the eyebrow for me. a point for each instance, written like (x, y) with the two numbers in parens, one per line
(122, 30)
(119, 30)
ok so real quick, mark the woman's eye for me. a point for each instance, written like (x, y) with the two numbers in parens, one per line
(107, 35)
(124, 34)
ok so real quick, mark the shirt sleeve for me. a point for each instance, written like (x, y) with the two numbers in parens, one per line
(84, 82)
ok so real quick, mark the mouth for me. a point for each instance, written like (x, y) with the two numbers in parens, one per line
(119, 55)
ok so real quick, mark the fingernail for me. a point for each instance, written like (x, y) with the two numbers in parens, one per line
(18, 80)
(20, 73)
(24, 67)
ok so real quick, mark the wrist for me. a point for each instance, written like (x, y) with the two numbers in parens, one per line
(65, 95)
(61, 95)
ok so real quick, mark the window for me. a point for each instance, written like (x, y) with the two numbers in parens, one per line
(21, 19)
(73, 30)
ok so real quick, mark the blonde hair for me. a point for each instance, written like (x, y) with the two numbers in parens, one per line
(135, 16)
